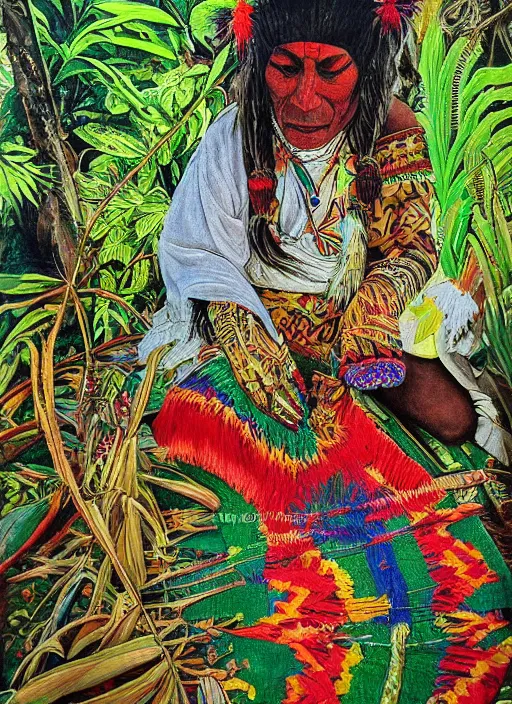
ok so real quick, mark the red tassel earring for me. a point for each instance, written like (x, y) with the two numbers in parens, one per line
(394, 13)
(242, 25)
(262, 188)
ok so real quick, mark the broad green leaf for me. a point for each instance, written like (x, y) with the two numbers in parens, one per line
(116, 248)
(175, 172)
(88, 36)
(184, 92)
(18, 525)
(481, 137)
(27, 326)
(141, 45)
(218, 68)
(75, 67)
(118, 81)
(111, 141)
(140, 277)
(108, 280)
(196, 70)
(147, 176)
(479, 107)
(483, 79)
(149, 224)
(127, 11)
(115, 105)
(19, 284)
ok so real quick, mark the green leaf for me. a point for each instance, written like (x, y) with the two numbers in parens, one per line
(218, 68)
(140, 278)
(7, 371)
(108, 281)
(148, 224)
(120, 83)
(20, 177)
(111, 141)
(88, 36)
(126, 11)
(75, 67)
(19, 284)
(27, 326)
(18, 525)
(483, 79)
(116, 248)
(115, 105)
(140, 44)
(121, 318)
(184, 93)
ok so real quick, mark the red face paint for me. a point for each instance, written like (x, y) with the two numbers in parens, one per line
(312, 87)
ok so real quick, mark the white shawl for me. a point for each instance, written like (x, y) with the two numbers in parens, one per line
(204, 251)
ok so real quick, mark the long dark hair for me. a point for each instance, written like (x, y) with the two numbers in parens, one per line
(349, 24)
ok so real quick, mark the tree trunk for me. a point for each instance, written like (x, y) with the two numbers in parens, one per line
(60, 214)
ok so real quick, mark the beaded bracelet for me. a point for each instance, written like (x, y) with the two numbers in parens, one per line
(373, 374)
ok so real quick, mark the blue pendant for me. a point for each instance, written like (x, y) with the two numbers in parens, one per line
(314, 200)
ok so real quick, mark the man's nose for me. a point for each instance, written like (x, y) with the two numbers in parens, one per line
(306, 96)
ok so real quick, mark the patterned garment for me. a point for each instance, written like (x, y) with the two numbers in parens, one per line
(401, 248)
(402, 255)
(352, 575)
(310, 324)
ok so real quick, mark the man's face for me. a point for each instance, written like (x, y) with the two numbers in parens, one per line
(312, 87)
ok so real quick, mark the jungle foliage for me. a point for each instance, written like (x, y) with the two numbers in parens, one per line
(103, 103)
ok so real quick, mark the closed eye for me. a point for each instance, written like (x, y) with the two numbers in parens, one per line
(333, 66)
(288, 70)
(325, 71)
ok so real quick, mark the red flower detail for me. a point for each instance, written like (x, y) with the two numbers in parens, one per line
(104, 446)
(242, 25)
(122, 405)
(27, 595)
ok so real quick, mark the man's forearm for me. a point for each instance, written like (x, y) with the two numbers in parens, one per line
(262, 367)
(401, 230)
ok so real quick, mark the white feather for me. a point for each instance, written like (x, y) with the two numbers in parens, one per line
(348, 274)
(460, 312)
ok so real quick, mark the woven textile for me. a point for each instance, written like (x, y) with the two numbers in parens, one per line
(353, 574)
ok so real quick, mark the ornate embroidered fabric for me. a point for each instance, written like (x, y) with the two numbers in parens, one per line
(399, 236)
(310, 324)
(400, 231)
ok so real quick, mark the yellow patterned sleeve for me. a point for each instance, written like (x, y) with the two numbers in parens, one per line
(402, 252)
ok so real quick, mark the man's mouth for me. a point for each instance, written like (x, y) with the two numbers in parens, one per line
(306, 129)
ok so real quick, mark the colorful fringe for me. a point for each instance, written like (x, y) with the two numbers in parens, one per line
(376, 572)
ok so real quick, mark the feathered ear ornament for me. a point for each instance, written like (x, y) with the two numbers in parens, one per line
(242, 25)
(394, 14)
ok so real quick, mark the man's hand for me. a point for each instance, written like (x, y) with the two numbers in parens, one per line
(263, 368)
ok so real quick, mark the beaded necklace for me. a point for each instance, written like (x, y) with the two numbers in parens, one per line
(300, 157)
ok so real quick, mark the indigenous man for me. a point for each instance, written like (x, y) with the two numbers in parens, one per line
(297, 237)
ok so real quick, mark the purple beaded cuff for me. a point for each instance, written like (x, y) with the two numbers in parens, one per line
(375, 374)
